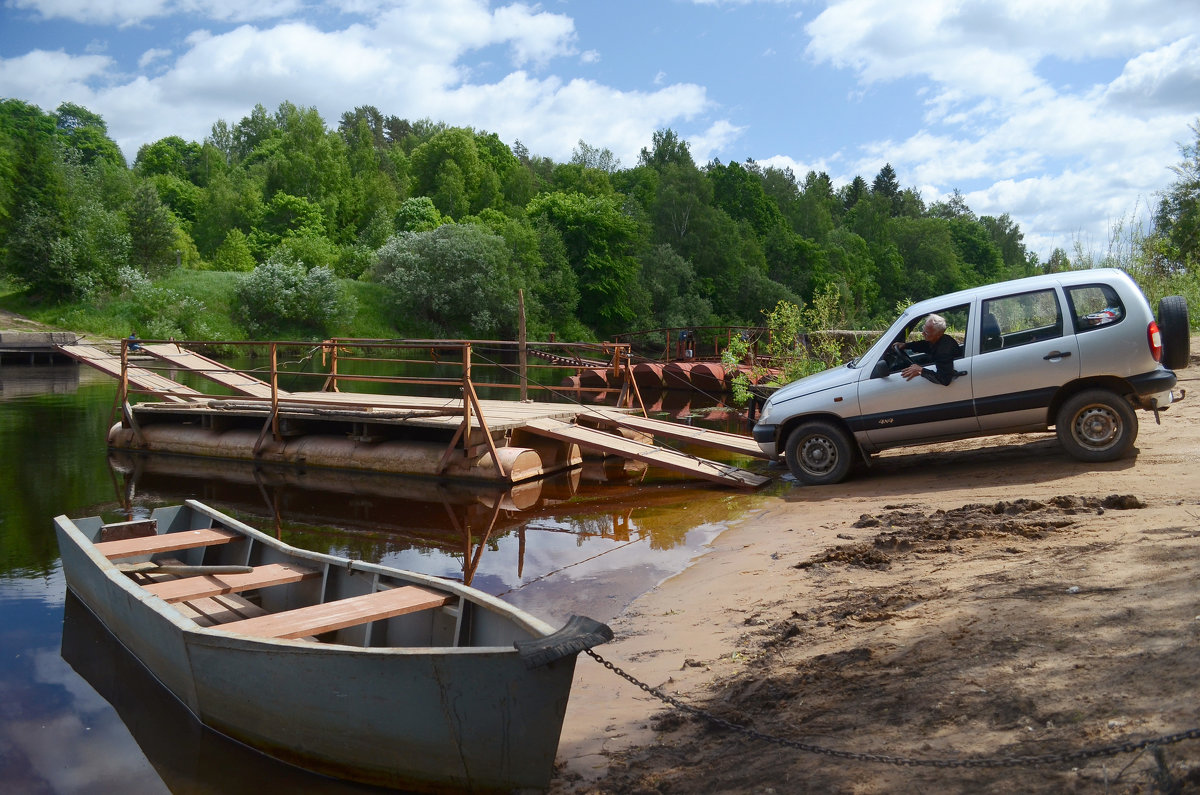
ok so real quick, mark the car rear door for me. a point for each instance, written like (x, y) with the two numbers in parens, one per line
(1018, 369)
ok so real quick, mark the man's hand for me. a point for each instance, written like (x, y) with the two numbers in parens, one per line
(911, 372)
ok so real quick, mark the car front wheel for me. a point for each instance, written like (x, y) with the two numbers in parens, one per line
(819, 453)
(1096, 425)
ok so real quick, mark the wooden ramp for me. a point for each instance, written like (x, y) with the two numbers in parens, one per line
(666, 429)
(139, 377)
(649, 453)
(211, 369)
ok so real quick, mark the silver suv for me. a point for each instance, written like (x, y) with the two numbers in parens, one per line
(1078, 351)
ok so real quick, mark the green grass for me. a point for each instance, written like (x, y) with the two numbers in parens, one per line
(191, 304)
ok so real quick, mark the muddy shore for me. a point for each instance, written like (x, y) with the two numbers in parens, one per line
(991, 599)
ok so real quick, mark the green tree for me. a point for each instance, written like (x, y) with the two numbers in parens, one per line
(667, 148)
(600, 241)
(169, 156)
(853, 192)
(739, 192)
(1178, 216)
(234, 253)
(152, 231)
(670, 280)
(418, 215)
(447, 168)
(457, 280)
(34, 190)
(87, 132)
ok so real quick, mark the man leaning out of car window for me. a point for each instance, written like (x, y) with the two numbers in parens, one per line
(943, 349)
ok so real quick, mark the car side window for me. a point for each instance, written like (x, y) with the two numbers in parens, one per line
(1013, 320)
(1094, 306)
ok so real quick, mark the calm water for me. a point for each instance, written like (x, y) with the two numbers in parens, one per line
(78, 716)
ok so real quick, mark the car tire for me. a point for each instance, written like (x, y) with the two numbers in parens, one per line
(1176, 333)
(1096, 425)
(819, 453)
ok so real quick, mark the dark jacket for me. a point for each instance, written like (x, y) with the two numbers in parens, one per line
(944, 352)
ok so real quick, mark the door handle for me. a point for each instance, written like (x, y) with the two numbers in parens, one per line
(1056, 355)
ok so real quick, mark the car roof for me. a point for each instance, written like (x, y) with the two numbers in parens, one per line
(1084, 276)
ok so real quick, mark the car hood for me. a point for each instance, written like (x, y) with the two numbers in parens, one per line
(819, 382)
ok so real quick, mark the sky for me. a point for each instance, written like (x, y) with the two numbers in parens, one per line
(1065, 114)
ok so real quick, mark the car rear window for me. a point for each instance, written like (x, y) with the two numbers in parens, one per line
(1020, 319)
(1095, 306)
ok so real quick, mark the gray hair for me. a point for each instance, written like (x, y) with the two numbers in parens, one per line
(937, 321)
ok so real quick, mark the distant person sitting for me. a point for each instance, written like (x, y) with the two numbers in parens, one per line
(942, 349)
(134, 345)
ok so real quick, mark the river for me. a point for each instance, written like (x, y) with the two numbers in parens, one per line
(77, 715)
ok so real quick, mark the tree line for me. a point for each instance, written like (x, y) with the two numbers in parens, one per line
(452, 223)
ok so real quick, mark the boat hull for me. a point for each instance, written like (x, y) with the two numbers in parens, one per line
(425, 719)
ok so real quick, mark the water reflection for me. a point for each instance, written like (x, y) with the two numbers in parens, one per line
(186, 756)
(586, 542)
(38, 379)
(437, 527)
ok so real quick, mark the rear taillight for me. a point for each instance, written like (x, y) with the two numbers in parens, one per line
(1154, 337)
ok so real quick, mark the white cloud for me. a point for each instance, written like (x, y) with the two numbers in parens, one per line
(999, 124)
(151, 56)
(49, 78)
(1167, 78)
(124, 13)
(717, 137)
(411, 64)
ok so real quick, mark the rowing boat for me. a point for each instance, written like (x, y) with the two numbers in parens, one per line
(347, 668)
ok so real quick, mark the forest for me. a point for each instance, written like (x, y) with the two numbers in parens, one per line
(280, 226)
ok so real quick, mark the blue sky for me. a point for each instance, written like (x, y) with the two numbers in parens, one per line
(1066, 114)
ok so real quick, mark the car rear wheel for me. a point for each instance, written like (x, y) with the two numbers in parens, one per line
(819, 453)
(1096, 425)
(1176, 333)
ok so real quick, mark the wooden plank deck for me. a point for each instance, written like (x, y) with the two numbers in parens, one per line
(651, 454)
(561, 421)
(211, 369)
(673, 430)
(139, 377)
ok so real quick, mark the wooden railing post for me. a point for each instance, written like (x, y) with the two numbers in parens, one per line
(522, 347)
(275, 391)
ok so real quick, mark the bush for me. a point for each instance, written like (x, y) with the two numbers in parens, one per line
(457, 279)
(282, 297)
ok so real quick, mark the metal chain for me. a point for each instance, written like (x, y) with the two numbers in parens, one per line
(981, 762)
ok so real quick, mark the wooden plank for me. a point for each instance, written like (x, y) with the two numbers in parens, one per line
(651, 454)
(211, 369)
(316, 619)
(186, 588)
(139, 377)
(674, 430)
(214, 610)
(119, 531)
(167, 542)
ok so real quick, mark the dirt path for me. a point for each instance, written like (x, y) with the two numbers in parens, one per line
(993, 599)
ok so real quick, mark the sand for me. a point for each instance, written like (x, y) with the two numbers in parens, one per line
(989, 599)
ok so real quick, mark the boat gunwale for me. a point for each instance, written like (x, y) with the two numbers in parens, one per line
(215, 635)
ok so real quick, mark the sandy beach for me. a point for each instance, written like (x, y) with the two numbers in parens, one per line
(988, 599)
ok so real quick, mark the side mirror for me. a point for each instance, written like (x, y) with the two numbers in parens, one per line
(881, 369)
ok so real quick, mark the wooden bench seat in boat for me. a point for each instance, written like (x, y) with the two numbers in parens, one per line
(200, 586)
(342, 613)
(213, 610)
(167, 542)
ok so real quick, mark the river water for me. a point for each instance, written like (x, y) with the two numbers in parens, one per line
(77, 715)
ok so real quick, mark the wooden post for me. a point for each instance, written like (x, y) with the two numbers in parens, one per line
(522, 348)
(466, 390)
(275, 391)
